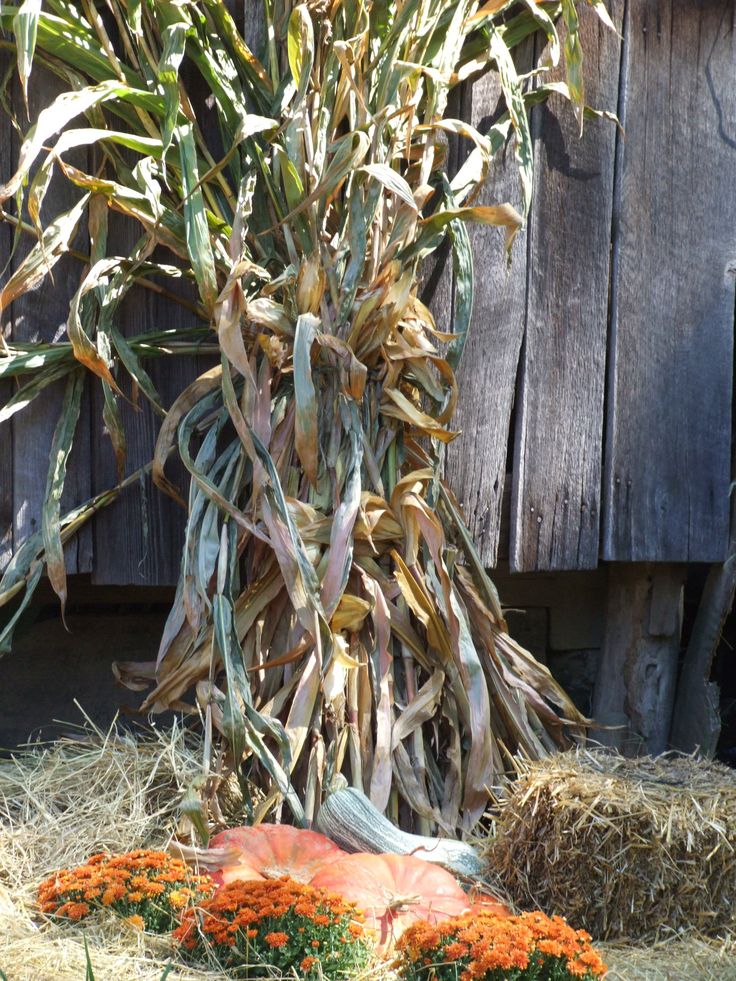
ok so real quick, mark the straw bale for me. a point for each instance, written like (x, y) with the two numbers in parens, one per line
(627, 848)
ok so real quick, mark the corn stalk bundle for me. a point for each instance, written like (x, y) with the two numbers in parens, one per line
(332, 614)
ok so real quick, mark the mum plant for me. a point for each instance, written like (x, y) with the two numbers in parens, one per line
(149, 889)
(282, 924)
(332, 613)
(484, 947)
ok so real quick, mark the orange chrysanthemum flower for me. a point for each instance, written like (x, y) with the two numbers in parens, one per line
(476, 946)
(137, 885)
(278, 923)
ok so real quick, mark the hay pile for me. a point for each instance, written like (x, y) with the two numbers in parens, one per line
(683, 959)
(118, 791)
(85, 793)
(627, 848)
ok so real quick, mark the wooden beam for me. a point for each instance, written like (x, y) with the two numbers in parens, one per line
(555, 502)
(696, 724)
(635, 686)
(668, 446)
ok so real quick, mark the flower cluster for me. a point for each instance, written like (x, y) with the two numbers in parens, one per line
(284, 924)
(150, 889)
(485, 947)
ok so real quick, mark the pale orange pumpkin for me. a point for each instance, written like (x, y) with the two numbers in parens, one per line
(483, 902)
(269, 851)
(394, 891)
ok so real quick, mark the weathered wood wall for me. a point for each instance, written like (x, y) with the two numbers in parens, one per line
(597, 385)
(623, 384)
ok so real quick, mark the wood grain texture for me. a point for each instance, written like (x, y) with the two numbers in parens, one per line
(637, 672)
(42, 315)
(6, 429)
(555, 501)
(138, 539)
(696, 721)
(249, 16)
(667, 467)
(476, 460)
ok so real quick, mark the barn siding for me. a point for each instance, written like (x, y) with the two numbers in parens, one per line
(138, 541)
(555, 503)
(42, 315)
(476, 460)
(668, 461)
(540, 332)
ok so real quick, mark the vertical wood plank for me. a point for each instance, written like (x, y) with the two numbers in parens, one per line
(249, 16)
(476, 460)
(637, 673)
(667, 466)
(41, 316)
(555, 501)
(138, 540)
(6, 431)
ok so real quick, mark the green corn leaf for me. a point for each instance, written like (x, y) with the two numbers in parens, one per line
(340, 555)
(514, 96)
(462, 264)
(543, 19)
(174, 38)
(574, 60)
(392, 181)
(198, 242)
(349, 153)
(61, 446)
(63, 109)
(32, 389)
(25, 28)
(300, 49)
(233, 714)
(261, 87)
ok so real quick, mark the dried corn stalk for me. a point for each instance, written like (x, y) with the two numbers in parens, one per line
(332, 614)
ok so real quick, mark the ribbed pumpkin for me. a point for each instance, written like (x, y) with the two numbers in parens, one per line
(269, 851)
(394, 891)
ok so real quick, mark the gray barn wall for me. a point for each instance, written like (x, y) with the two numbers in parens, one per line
(596, 390)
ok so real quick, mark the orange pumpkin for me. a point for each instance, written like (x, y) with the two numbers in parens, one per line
(483, 902)
(269, 851)
(394, 891)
